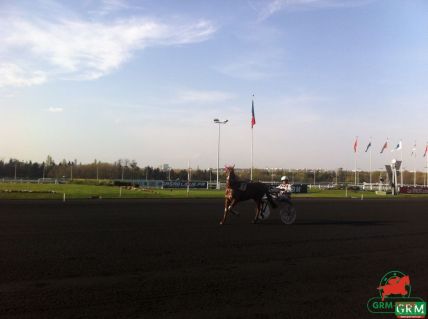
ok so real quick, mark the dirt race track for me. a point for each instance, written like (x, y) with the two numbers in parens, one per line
(170, 258)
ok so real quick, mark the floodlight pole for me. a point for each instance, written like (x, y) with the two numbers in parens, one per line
(315, 172)
(217, 121)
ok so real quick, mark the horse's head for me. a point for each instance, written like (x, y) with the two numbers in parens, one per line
(230, 173)
(229, 169)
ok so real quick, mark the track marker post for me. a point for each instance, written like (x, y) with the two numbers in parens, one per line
(63, 197)
(120, 191)
(346, 191)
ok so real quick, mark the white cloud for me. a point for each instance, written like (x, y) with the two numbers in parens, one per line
(13, 75)
(111, 6)
(278, 5)
(74, 48)
(55, 109)
(194, 96)
(258, 65)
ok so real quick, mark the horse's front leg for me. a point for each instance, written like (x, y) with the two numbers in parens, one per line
(228, 207)
(258, 210)
(226, 210)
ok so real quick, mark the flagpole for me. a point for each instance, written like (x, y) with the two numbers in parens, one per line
(252, 136)
(355, 153)
(414, 163)
(253, 121)
(426, 155)
(414, 170)
(370, 161)
(355, 181)
(426, 167)
(370, 175)
(401, 166)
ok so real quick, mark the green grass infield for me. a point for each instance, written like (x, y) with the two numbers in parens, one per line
(82, 191)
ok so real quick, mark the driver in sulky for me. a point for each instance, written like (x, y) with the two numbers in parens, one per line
(284, 189)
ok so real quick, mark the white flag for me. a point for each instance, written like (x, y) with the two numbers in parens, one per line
(397, 147)
(414, 150)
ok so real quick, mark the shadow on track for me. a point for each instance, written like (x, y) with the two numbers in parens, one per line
(320, 222)
(344, 222)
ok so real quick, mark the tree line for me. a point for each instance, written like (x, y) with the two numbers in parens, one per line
(124, 169)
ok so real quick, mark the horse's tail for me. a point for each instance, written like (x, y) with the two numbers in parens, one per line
(270, 199)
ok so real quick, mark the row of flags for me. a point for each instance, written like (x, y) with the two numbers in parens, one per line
(397, 147)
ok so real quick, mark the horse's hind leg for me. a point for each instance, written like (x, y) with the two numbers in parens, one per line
(258, 210)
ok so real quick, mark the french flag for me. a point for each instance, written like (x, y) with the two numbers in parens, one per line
(253, 117)
(384, 146)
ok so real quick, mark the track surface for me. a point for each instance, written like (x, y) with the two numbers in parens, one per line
(170, 258)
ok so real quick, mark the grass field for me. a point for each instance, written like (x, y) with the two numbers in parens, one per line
(80, 191)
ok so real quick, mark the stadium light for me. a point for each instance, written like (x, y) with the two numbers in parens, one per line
(217, 121)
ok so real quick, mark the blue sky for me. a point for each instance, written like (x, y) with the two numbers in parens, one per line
(144, 80)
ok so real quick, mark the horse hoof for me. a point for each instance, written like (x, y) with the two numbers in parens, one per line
(221, 223)
(255, 221)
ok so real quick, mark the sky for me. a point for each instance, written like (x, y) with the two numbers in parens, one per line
(143, 80)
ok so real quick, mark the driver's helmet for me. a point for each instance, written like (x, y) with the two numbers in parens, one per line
(284, 178)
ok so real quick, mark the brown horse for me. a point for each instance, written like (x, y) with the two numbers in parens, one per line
(237, 191)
